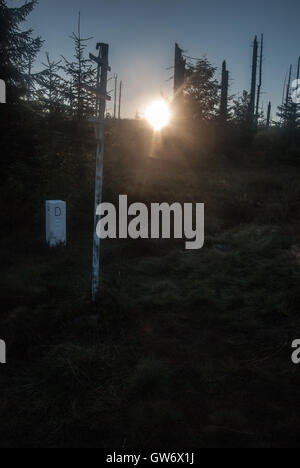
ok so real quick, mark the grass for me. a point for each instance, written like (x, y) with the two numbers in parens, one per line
(183, 348)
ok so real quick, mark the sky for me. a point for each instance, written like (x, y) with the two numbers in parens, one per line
(141, 35)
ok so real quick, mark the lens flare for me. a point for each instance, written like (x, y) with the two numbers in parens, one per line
(158, 114)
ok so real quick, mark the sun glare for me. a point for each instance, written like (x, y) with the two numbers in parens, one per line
(158, 114)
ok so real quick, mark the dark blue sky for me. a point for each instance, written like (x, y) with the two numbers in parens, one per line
(141, 35)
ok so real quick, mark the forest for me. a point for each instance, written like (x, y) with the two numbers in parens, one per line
(181, 348)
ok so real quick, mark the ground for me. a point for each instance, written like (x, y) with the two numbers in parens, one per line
(183, 348)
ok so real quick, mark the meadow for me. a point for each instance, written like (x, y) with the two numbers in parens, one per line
(183, 348)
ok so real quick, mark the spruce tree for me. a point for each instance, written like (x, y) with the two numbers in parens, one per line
(81, 73)
(240, 109)
(289, 111)
(18, 49)
(201, 90)
(50, 87)
(289, 114)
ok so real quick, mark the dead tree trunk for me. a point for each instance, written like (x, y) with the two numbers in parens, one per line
(120, 99)
(224, 93)
(269, 115)
(179, 71)
(287, 96)
(253, 83)
(115, 96)
(260, 76)
(283, 101)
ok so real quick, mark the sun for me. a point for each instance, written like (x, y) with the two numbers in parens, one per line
(158, 114)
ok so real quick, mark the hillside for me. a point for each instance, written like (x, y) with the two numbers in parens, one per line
(183, 348)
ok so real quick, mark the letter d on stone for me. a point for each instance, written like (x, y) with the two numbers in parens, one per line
(2, 92)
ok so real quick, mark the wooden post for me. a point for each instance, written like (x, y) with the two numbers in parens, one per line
(101, 97)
